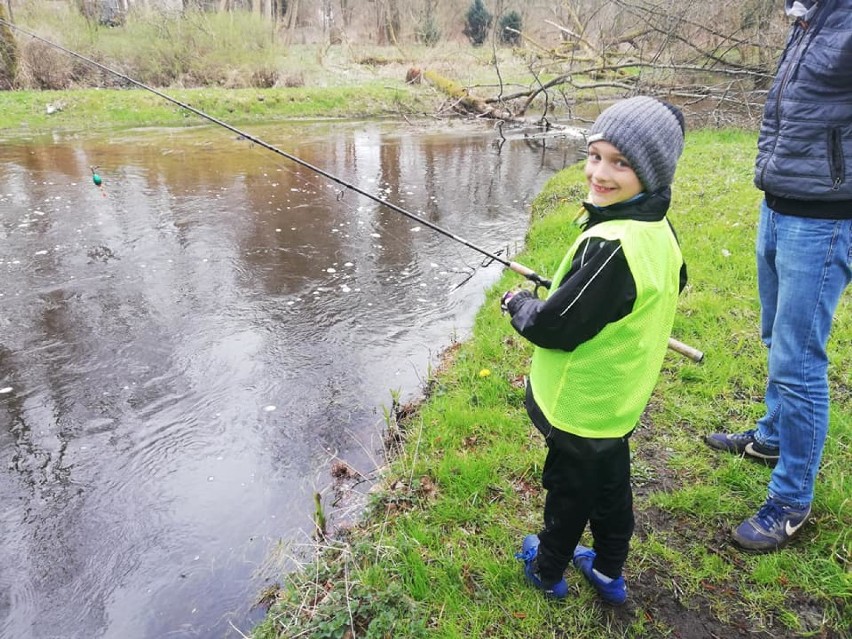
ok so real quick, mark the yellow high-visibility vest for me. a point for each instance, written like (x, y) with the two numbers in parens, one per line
(601, 388)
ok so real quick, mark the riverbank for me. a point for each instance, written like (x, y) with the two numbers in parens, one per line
(320, 82)
(433, 556)
(27, 113)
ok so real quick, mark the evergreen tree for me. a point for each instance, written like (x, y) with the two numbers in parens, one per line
(512, 20)
(428, 33)
(477, 23)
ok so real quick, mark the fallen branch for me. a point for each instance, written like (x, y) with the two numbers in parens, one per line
(464, 101)
(566, 78)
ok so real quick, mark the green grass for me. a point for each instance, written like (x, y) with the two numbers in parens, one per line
(26, 113)
(331, 82)
(433, 556)
(247, 71)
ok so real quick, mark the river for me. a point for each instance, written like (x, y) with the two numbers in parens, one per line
(188, 349)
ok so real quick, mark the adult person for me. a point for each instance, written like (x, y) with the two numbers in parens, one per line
(804, 260)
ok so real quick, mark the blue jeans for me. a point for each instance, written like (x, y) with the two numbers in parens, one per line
(803, 266)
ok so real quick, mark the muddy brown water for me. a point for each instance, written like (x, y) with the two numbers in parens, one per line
(185, 351)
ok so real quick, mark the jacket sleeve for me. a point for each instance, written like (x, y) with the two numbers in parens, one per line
(598, 289)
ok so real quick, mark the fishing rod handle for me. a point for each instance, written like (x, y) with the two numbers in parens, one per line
(686, 350)
(530, 274)
(523, 270)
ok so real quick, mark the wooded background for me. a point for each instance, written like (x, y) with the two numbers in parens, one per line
(380, 21)
(721, 55)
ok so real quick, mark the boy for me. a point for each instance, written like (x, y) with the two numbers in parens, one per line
(600, 339)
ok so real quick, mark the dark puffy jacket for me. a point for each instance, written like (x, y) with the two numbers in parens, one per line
(805, 143)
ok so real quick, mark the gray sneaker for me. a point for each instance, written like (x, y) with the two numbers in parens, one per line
(743, 444)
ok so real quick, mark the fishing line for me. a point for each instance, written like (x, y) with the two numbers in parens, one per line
(311, 184)
(372, 224)
(528, 273)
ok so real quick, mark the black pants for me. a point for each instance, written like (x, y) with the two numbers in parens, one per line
(587, 481)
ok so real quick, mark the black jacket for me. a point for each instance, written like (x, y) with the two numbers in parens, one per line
(598, 289)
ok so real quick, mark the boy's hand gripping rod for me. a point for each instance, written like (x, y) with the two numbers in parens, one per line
(694, 354)
(679, 347)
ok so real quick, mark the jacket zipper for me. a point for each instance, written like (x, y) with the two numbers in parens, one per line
(791, 64)
(835, 158)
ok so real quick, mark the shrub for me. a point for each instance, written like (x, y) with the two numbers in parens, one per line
(428, 33)
(195, 48)
(43, 67)
(511, 20)
(477, 23)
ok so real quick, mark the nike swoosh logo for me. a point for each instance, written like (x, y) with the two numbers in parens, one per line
(749, 450)
(790, 530)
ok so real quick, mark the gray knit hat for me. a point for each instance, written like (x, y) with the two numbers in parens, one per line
(648, 132)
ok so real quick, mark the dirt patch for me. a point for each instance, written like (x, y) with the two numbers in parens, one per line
(655, 593)
(651, 597)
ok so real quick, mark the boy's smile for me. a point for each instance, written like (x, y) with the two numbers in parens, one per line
(611, 178)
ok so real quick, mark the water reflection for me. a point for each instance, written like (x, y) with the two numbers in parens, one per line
(184, 351)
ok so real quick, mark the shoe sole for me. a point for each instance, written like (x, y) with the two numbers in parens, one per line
(748, 452)
(715, 445)
(745, 544)
(768, 460)
(751, 546)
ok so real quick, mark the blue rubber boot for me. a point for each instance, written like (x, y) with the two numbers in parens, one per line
(529, 555)
(613, 592)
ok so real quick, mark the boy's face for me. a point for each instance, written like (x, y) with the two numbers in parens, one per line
(610, 176)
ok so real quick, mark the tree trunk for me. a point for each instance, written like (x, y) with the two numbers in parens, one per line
(327, 18)
(291, 18)
(8, 53)
(387, 21)
(88, 9)
(279, 10)
(394, 21)
(345, 13)
(464, 101)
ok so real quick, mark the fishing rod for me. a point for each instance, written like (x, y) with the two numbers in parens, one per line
(679, 347)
